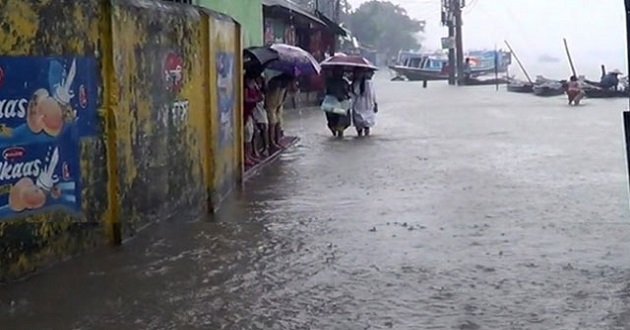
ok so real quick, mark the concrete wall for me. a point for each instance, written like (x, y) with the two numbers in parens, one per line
(226, 105)
(110, 120)
(247, 12)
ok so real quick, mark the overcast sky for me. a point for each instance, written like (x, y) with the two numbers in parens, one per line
(595, 29)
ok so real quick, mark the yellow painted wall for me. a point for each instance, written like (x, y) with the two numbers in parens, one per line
(33, 34)
(226, 73)
(161, 111)
(152, 147)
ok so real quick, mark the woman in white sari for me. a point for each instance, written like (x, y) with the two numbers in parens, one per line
(364, 106)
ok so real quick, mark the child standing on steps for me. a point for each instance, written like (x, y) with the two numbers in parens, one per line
(253, 95)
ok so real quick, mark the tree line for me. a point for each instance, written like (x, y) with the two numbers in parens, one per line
(379, 25)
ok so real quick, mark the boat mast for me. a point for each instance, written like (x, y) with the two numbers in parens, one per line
(519, 62)
(566, 47)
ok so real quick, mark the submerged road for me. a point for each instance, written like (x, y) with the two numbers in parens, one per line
(467, 209)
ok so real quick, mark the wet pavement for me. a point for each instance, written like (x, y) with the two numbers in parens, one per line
(467, 209)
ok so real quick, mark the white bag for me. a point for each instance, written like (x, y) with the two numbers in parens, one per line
(332, 104)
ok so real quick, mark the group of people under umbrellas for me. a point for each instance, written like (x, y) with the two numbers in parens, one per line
(271, 73)
(350, 95)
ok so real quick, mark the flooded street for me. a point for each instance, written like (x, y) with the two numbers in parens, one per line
(467, 209)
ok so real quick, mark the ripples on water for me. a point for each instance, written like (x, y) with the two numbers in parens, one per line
(443, 220)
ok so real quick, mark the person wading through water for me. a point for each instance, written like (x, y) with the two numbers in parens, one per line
(338, 87)
(574, 91)
(364, 106)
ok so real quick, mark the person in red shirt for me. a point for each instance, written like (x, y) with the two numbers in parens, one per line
(253, 95)
(261, 122)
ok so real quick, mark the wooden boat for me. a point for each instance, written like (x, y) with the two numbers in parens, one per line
(599, 93)
(419, 67)
(548, 89)
(485, 82)
(517, 86)
(429, 67)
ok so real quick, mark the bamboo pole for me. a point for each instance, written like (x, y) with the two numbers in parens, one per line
(518, 61)
(566, 47)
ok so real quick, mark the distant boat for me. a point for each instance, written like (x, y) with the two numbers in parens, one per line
(485, 82)
(519, 86)
(548, 59)
(418, 67)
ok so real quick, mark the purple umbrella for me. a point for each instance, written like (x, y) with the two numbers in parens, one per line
(294, 61)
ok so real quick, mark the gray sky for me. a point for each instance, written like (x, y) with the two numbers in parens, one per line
(595, 29)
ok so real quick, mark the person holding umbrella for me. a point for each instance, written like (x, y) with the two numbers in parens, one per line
(364, 106)
(292, 62)
(362, 91)
(336, 103)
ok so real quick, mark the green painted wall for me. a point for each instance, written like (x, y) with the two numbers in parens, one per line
(247, 12)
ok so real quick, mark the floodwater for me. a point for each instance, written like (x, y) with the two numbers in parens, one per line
(467, 209)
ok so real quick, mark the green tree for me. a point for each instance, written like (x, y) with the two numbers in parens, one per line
(385, 27)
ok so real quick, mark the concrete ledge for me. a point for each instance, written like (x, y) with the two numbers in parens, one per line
(288, 141)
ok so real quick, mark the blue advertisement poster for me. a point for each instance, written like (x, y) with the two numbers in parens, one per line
(39, 175)
(225, 85)
(46, 105)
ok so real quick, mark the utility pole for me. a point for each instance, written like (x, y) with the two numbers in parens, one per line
(447, 19)
(452, 67)
(337, 14)
(459, 41)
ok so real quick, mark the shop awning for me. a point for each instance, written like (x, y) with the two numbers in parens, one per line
(334, 27)
(292, 7)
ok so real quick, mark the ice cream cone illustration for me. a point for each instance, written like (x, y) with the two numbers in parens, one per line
(63, 93)
(46, 179)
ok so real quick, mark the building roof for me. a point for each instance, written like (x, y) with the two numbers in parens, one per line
(332, 25)
(293, 7)
(316, 17)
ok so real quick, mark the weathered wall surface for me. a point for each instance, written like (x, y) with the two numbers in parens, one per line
(225, 58)
(121, 114)
(160, 122)
(52, 167)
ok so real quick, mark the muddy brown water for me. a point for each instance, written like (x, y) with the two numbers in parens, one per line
(467, 209)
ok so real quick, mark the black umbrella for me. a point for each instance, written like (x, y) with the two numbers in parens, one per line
(255, 59)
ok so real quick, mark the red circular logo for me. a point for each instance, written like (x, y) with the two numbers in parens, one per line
(14, 153)
(83, 97)
(173, 72)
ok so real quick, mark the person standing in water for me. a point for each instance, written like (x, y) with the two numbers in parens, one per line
(364, 106)
(467, 70)
(338, 87)
(261, 119)
(574, 92)
(610, 80)
(252, 96)
(275, 96)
